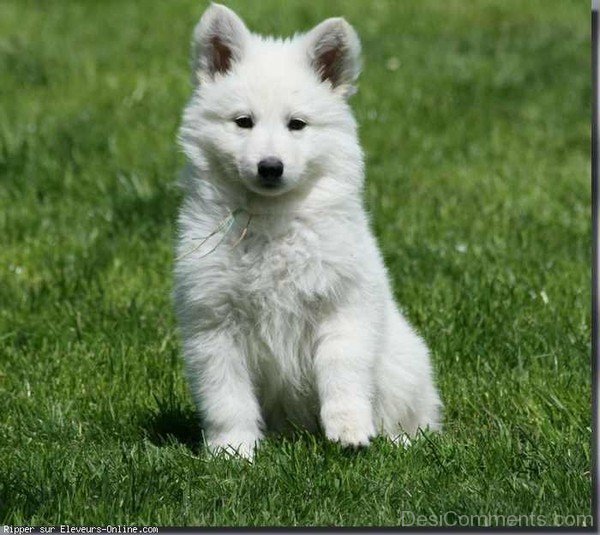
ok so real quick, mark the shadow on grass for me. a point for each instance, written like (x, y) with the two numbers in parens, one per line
(171, 424)
(168, 425)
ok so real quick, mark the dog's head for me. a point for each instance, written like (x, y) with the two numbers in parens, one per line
(271, 114)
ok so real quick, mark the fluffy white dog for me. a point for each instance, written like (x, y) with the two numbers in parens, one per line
(284, 302)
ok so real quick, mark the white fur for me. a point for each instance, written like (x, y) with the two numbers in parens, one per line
(296, 324)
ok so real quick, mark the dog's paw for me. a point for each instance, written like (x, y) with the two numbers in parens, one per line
(234, 444)
(352, 429)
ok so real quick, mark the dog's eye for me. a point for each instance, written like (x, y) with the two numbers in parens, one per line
(296, 124)
(245, 121)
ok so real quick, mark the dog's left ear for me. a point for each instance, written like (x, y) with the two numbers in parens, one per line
(334, 53)
(219, 40)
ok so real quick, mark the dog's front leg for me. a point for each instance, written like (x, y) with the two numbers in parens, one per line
(343, 366)
(221, 384)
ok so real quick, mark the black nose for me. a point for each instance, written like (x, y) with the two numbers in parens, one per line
(270, 171)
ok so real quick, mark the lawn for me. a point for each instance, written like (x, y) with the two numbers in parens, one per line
(474, 117)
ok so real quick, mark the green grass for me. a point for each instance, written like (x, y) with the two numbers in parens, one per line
(475, 121)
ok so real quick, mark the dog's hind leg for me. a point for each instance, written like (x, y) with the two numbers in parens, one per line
(406, 398)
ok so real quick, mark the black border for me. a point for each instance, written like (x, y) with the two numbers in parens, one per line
(595, 259)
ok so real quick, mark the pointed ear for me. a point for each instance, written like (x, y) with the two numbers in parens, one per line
(334, 53)
(219, 40)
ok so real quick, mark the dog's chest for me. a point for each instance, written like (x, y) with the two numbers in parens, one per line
(280, 279)
(279, 287)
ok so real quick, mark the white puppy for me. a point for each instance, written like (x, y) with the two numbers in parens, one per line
(283, 299)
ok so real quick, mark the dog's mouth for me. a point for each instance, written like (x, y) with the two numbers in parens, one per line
(268, 186)
(270, 183)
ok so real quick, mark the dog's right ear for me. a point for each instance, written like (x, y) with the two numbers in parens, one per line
(334, 52)
(219, 40)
